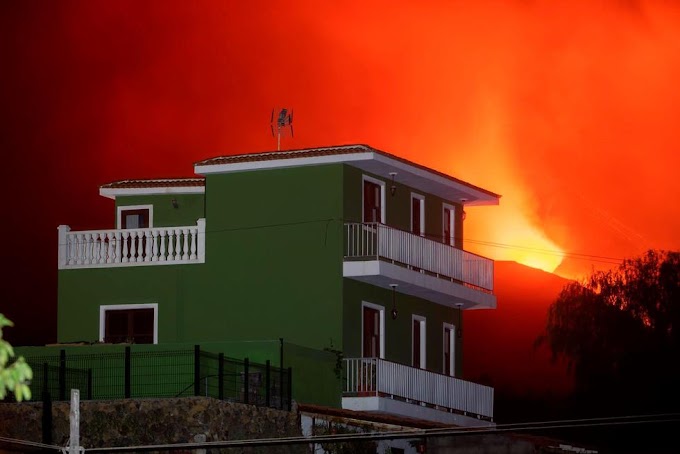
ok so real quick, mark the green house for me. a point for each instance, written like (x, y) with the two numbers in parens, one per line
(347, 253)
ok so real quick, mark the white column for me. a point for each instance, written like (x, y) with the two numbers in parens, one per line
(62, 231)
(185, 248)
(201, 239)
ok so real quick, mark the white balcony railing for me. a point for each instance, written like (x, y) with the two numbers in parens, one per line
(126, 247)
(374, 241)
(378, 377)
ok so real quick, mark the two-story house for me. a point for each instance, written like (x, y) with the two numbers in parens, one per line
(342, 248)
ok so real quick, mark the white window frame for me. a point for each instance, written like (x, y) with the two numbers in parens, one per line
(383, 211)
(452, 349)
(422, 212)
(450, 241)
(121, 208)
(118, 307)
(423, 326)
(381, 310)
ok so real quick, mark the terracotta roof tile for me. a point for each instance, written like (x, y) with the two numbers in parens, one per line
(289, 154)
(159, 183)
(327, 151)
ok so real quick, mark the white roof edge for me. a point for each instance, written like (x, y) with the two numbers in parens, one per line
(481, 197)
(282, 163)
(478, 196)
(112, 193)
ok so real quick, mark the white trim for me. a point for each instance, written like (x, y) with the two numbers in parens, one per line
(386, 405)
(207, 169)
(112, 193)
(368, 161)
(383, 211)
(121, 208)
(381, 310)
(422, 212)
(452, 208)
(452, 349)
(423, 340)
(118, 307)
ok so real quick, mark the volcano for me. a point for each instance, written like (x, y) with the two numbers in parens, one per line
(499, 345)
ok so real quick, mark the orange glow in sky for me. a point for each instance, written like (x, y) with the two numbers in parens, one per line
(568, 108)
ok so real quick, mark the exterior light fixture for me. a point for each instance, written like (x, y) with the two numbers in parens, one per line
(394, 301)
(462, 202)
(174, 203)
(393, 188)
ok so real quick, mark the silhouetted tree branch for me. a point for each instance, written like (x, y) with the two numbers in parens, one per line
(619, 330)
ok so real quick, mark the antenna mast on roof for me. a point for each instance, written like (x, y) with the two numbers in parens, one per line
(283, 119)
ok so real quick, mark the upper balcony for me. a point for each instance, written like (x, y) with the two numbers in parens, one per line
(382, 255)
(131, 247)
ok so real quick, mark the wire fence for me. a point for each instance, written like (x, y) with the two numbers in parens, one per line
(160, 374)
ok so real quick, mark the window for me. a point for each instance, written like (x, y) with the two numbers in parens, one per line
(449, 360)
(449, 217)
(373, 200)
(129, 323)
(373, 332)
(418, 342)
(135, 217)
(418, 214)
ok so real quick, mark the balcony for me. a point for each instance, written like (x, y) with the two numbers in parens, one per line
(377, 385)
(131, 247)
(382, 255)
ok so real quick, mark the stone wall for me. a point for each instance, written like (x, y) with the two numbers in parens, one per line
(153, 421)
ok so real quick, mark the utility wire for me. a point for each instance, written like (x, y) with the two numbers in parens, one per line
(374, 436)
(33, 444)
(327, 221)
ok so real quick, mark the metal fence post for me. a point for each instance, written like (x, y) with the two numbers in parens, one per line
(290, 388)
(46, 408)
(246, 379)
(220, 376)
(197, 370)
(89, 384)
(128, 364)
(280, 373)
(267, 391)
(62, 374)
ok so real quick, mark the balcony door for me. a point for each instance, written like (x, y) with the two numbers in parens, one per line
(449, 359)
(135, 217)
(373, 321)
(418, 214)
(373, 202)
(449, 218)
(418, 342)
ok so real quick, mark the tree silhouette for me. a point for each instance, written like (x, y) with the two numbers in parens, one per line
(619, 331)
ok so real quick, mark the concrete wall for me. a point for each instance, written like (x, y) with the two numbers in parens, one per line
(153, 421)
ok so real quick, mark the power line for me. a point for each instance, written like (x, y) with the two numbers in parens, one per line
(404, 434)
(32, 444)
(558, 253)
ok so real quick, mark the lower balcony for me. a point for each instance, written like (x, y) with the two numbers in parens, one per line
(421, 267)
(131, 247)
(377, 385)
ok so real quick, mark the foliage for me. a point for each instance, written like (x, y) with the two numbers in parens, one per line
(16, 376)
(339, 356)
(619, 330)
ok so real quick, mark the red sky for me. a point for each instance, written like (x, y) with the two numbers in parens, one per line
(570, 109)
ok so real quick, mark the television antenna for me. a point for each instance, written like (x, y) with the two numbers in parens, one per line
(283, 119)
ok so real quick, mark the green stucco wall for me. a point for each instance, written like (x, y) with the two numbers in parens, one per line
(398, 332)
(273, 269)
(398, 206)
(190, 207)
